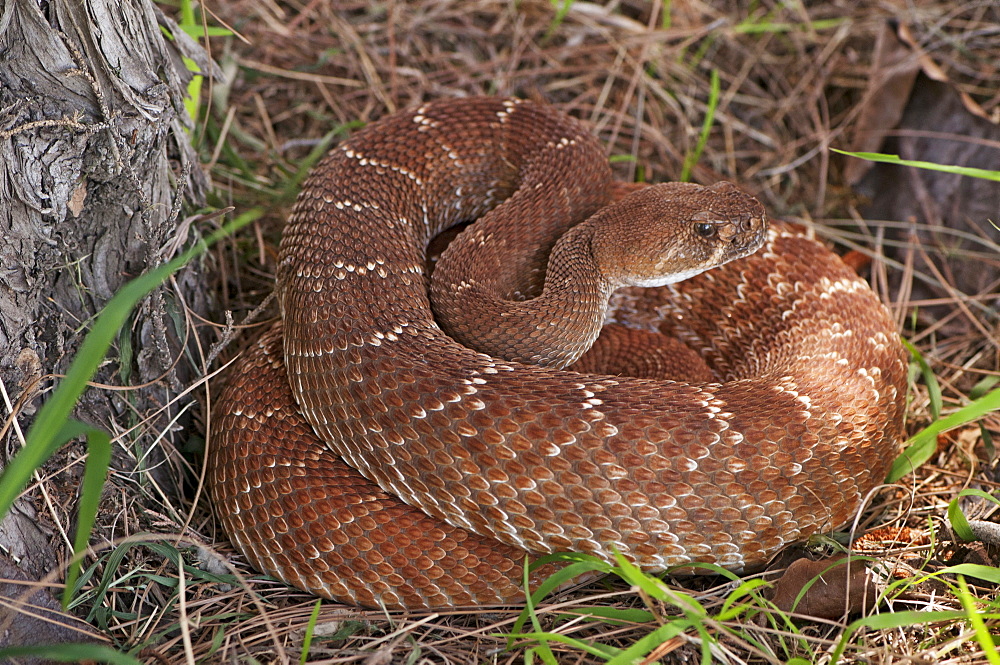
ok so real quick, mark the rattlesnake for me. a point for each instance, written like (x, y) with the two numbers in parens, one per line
(801, 417)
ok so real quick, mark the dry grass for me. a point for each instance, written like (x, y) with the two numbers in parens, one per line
(792, 77)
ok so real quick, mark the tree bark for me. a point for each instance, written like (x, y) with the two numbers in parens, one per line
(95, 161)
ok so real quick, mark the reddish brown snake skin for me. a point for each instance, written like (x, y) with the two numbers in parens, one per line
(801, 418)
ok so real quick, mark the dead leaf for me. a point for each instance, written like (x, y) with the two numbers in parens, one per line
(934, 72)
(77, 199)
(890, 81)
(825, 589)
(896, 62)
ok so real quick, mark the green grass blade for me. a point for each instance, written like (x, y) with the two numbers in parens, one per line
(981, 388)
(959, 524)
(706, 128)
(580, 565)
(562, 9)
(665, 18)
(654, 587)
(635, 652)
(978, 625)
(70, 653)
(930, 166)
(632, 574)
(593, 648)
(196, 31)
(751, 27)
(923, 444)
(730, 610)
(187, 12)
(543, 649)
(979, 571)
(612, 615)
(95, 471)
(107, 578)
(892, 620)
(290, 188)
(310, 629)
(192, 574)
(984, 386)
(562, 576)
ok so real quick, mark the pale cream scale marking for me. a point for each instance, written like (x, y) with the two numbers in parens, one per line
(390, 335)
(371, 161)
(504, 115)
(829, 288)
(427, 221)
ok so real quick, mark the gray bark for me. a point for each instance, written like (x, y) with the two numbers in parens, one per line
(94, 163)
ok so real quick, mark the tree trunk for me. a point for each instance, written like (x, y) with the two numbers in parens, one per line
(95, 161)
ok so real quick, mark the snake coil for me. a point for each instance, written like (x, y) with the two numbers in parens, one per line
(801, 418)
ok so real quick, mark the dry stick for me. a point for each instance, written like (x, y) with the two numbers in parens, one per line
(38, 478)
(299, 76)
(73, 122)
(266, 123)
(390, 24)
(906, 281)
(879, 269)
(597, 111)
(294, 24)
(637, 73)
(824, 154)
(182, 610)
(374, 81)
(223, 135)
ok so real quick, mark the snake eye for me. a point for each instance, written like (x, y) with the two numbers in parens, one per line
(705, 230)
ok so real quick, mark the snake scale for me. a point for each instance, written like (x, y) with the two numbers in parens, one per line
(795, 417)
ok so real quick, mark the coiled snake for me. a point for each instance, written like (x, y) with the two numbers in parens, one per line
(796, 416)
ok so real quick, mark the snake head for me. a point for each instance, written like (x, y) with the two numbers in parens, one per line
(666, 233)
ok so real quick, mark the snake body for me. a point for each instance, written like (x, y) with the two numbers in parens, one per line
(358, 397)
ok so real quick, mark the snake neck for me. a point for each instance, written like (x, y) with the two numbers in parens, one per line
(659, 235)
(487, 311)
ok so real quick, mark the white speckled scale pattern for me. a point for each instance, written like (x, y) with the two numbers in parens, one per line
(801, 417)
